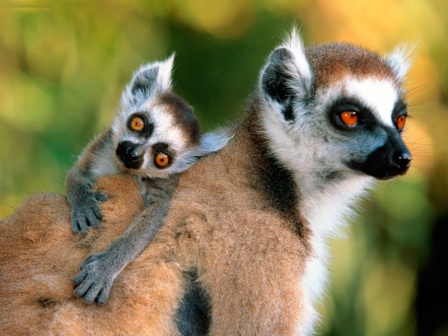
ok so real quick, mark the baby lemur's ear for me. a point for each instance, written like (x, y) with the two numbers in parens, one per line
(287, 76)
(150, 79)
(210, 143)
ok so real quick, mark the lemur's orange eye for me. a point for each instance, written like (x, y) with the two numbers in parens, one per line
(350, 118)
(137, 124)
(401, 121)
(162, 160)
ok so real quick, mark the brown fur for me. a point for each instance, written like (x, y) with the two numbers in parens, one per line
(222, 224)
(333, 61)
(39, 255)
(245, 252)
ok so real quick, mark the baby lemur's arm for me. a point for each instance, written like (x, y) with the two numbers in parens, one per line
(96, 160)
(99, 271)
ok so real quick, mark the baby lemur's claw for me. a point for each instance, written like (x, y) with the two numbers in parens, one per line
(87, 212)
(95, 279)
(100, 196)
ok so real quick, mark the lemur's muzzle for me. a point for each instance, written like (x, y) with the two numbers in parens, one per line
(126, 152)
(390, 160)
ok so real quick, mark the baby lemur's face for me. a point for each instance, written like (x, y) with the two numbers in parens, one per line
(158, 138)
(156, 134)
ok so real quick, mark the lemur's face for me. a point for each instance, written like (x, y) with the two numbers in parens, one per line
(336, 109)
(364, 120)
(157, 138)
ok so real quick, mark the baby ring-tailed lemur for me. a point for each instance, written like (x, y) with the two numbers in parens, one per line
(154, 137)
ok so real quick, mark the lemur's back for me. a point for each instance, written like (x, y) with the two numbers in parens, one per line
(252, 221)
(232, 231)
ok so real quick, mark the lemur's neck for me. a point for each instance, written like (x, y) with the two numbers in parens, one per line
(275, 179)
(266, 175)
(292, 178)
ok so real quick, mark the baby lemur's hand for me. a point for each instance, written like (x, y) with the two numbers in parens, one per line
(96, 278)
(86, 211)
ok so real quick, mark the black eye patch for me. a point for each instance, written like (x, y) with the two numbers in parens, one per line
(399, 115)
(163, 148)
(361, 117)
(139, 123)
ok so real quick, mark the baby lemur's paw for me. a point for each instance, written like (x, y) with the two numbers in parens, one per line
(86, 211)
(95, 279)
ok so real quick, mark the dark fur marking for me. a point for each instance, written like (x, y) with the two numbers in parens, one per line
(148, 128)
(46, 302)
(144, 81)
(272, 178)
(183, 115)
(275, 82)
(193, 315)
(366, 118)
(278, 183)
(288, 112)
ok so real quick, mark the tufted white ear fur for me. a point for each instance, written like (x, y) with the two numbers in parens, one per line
(294, 43)
(287, 75)
(148, 80)
(400, 60)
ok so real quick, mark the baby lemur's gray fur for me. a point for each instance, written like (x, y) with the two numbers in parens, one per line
(155, 137)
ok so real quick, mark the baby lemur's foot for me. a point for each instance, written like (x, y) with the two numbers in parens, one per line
(86, 211)
(96, 278)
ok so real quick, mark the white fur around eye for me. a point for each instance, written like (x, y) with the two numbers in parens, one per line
(166, 131)
(377, 94)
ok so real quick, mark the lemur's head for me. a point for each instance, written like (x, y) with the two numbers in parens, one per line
(156, 133)
(336, 109)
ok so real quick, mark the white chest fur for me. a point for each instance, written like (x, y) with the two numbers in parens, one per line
(327, 212)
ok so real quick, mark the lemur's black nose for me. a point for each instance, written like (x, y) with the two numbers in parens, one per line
(402, 159)
(126, 152)
(385, 162)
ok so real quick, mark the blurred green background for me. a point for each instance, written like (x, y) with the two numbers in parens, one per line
(63, 65)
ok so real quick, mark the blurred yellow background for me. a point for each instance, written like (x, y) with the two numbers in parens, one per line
(64, 63)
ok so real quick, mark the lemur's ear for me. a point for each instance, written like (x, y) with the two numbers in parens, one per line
(287, 75)
(400, 60)
(150, 79)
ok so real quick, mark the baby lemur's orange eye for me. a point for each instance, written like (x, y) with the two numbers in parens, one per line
(350, 118)
(162, 160)
(137, 124)
(401, 121)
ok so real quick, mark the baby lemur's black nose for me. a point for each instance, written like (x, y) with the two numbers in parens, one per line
(126, 152)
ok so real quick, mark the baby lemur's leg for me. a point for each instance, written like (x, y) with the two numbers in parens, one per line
(84, 201)
(99, 271)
